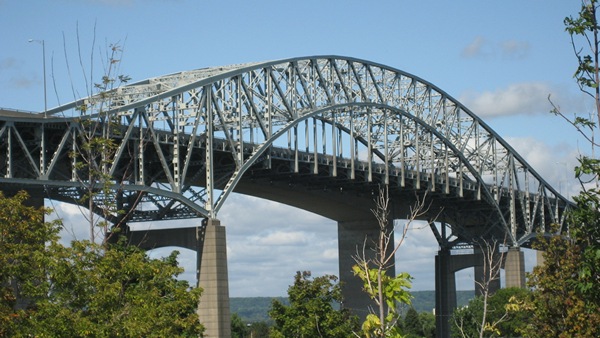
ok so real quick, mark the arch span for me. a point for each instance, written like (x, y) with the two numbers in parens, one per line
(203, 129)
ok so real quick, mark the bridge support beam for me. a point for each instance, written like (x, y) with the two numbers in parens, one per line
(213, 310)
(158, 238)
(514, 268)
(36, 195)
(445, 292)
(446, 266)
(352, 236)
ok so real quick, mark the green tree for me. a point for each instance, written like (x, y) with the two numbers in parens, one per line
(239, 329)
(428, 324)
(115, 290)
(566, 297)
(412, 324)
(313, 310)
(386, 291)
(466, 320)
(259, 330)
(86, 289)
(501, 319)
(559, 305)
(23, 258)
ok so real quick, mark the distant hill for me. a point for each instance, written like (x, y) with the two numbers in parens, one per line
(255, 309)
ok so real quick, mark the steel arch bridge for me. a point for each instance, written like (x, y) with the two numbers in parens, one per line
(337, 127)
(186, 140)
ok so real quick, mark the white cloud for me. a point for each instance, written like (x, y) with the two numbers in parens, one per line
(293, 238)
(482, 48)
(330, 254)
(554, 163)
(513, 49)
(520, 98)
(75, 226)
(9, 63)
(476, 48)
(22, 82)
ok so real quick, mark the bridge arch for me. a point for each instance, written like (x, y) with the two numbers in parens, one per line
(442, 145)
(247, 106)
(181, 121)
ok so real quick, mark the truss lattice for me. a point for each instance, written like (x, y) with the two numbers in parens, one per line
(185, 140)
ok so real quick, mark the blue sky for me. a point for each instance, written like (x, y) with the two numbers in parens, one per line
(500, 58)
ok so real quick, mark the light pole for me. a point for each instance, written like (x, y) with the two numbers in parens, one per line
(44, 63)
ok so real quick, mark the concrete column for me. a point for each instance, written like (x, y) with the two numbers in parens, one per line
(445, 292)
(514, 268)
(481, 270)
(351, 238)
(213, 309)
(539, 255)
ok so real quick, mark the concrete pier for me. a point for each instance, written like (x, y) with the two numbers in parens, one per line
(514, 267)
(213, 309)
(446, 266)
(445, 292)
(352, 236)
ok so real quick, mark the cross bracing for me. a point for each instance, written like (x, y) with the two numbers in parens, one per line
(186, 140)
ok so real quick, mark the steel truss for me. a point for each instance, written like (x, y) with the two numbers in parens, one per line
(185, 140)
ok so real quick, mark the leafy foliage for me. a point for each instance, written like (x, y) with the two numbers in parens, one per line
(243, 329)
(387, 292)
(427, 320)
(87, 289)
(565, 301)
(256, 309)
(394, 291)
(23, 258)
(394, 288)
(561, 305)
(417, 325)
(259, 329)
(586, 26)
(501, 318)
(312, 311)
(239, 329)
(412, 324)
(117, 291)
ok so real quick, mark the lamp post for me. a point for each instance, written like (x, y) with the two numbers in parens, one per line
(44, 63)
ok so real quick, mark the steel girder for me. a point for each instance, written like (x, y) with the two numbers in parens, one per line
(188, 138)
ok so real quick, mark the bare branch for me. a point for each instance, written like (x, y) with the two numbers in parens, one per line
(372, 270)
(557, 111)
